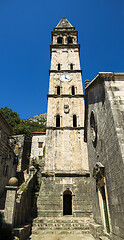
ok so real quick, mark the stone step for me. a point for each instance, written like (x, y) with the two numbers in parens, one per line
(104, 238)
(22, 232)
(64, 226)
(66, 218)
(59, 231)
(61, 228)
(85, 236)
(61, 225)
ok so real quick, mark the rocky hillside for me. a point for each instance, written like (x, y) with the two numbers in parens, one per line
(42, 116)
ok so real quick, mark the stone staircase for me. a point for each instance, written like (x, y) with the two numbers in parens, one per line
(61, 225)
(67, 228)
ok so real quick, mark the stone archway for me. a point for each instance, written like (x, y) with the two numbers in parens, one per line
(67, 202)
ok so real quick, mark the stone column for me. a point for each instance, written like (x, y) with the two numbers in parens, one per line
(9, 212)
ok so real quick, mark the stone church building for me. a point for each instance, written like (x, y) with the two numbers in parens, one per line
(82, 178)
(76, 183)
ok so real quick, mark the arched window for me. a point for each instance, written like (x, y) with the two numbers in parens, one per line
(59, 40)
(71, 66)
(58, 90)
(73, 90)
(58, 66)
(58, 121)
(93, 129)
(74, 121)
(67, 202)
(69, 40)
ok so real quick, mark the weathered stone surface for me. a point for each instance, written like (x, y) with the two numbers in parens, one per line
(65, 148)
(65, 151)
(7, 169)
(64, 225)
(50, 200)
(10, 204)
(105, 99)
(25, 207)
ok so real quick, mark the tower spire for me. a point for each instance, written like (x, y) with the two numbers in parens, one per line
(64, 23)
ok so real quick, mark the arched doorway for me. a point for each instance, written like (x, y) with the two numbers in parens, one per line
(67, 202)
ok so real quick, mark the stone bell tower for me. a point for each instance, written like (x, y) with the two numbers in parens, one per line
(65, 188)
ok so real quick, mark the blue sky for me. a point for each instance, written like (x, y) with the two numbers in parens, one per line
(25, 36)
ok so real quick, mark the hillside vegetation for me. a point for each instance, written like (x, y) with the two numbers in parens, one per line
(23, 126)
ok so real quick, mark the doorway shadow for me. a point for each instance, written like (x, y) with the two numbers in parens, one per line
(67, 202)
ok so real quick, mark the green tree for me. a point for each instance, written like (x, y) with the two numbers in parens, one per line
(21, 126)
(12, 117)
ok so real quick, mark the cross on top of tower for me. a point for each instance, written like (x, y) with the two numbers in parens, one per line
(64, 23)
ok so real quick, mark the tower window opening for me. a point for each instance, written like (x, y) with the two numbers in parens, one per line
(71, 66)
(74, 121)
(59, 40)
(58, 90)
(73, 90)
(58, 121)
(58, 66)
(69, 40)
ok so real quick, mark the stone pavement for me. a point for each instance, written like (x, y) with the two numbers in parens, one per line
(62, 237)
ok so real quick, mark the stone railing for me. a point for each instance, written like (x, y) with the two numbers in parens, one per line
(20, 202)
(25, 201)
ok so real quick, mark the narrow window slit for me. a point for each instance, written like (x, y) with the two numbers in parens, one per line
(71, 66)
(58, 121)
(73, 90)
(58, 66)
(58, 90)
(74, 121)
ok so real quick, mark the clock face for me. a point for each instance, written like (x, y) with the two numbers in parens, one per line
(65, 78)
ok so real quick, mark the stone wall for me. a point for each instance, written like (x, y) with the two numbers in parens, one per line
(65, 57)
(20, 202)
(21, 146)
(50, 200)
(7, 169)
(104, 101)
(65, 150)
(25, 202)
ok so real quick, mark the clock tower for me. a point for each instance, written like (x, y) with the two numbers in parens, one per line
(65, 188)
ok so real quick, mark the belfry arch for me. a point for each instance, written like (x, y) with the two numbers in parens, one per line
(67, 202)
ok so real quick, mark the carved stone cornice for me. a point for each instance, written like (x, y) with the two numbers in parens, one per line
(65, 46)
(65, 128)
(62, 71)
(65, 96)
(64, 31)
(66, 174)
(106, 76)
